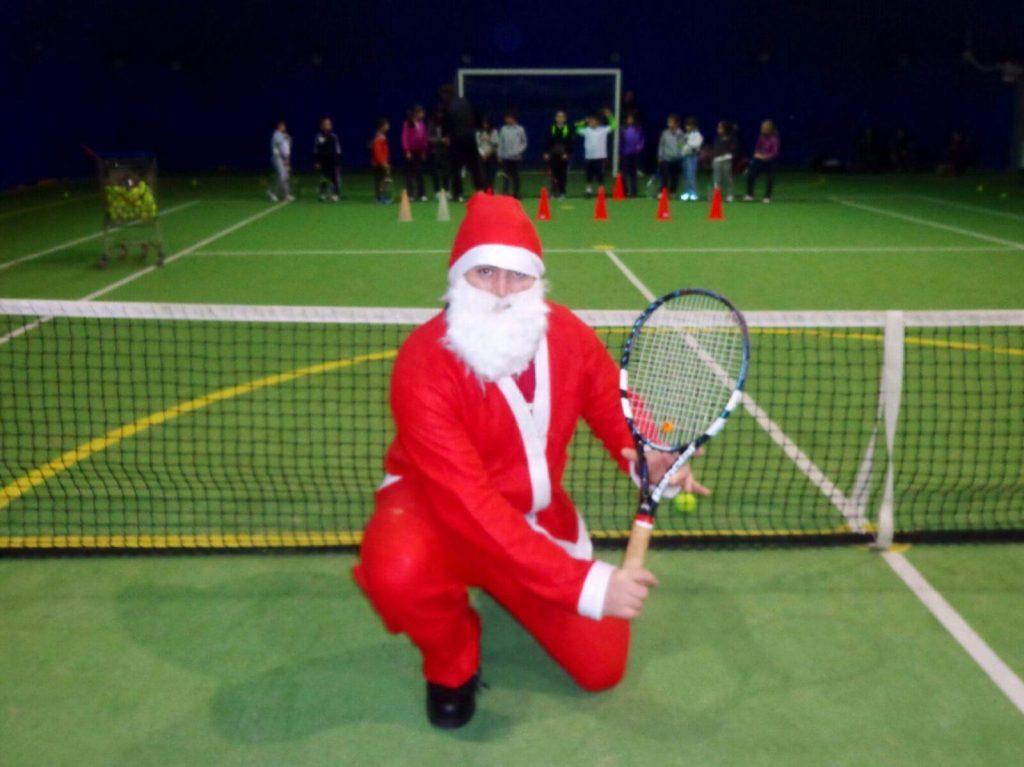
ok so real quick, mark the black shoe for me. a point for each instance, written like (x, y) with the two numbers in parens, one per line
(452, 707)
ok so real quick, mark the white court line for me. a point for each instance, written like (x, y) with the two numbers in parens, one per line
(45, 206)
(968, 206)
(80, 240)
(1001, 674)
(30, 326)
(792, 451)
(802, 249)
(928, 222)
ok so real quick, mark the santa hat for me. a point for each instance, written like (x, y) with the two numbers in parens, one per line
(495, 232)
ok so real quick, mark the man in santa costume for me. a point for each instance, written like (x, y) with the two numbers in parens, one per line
(486, 397)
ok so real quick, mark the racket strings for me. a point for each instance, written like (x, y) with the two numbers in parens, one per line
(684, 365)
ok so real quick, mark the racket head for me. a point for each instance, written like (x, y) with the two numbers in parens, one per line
(683, 369)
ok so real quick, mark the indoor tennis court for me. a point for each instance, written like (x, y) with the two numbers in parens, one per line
(188, 455)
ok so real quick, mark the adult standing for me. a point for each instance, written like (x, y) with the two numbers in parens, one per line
(460, 124)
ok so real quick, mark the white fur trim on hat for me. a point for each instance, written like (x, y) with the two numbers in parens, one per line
(509, 257)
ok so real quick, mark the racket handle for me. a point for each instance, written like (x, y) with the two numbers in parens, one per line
(639, 542)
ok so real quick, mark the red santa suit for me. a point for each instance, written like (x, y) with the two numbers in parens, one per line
(473, 494)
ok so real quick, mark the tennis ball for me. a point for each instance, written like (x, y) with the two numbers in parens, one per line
(1003, 196)
(195, 182)
(981, 187)
(68, 194)
(685, 502)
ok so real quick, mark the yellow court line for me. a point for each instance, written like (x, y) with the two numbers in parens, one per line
(65, 461)
(1009, 351)
(198, 541)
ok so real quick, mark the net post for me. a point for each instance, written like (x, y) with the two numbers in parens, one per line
(892, 388)
(460, 80)
(617, 133)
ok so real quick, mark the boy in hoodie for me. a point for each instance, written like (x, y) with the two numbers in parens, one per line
(670, 154)
(511, 145)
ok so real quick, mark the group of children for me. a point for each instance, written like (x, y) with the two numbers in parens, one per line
(425, 147)
(679, 152)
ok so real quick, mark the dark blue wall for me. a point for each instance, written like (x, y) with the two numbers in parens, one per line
(201, 82)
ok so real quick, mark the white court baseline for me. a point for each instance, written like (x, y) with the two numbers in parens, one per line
(824, 249)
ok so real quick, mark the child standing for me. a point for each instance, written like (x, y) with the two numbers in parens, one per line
(721, 164)
(327, 160)
(632, 147)
(487, 146)
(380, 158)
(414, 144)
(670, 154)
(281, 157)
(437, 142)
(765, 153)
(557, 150)
(511, 145)
(692, 142)
(595, 147)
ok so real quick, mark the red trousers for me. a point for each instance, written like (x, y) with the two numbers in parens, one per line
(417, 577)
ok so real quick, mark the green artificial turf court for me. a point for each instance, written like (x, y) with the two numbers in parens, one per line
(787, 655)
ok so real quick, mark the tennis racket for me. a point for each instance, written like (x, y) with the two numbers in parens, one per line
(682, 373)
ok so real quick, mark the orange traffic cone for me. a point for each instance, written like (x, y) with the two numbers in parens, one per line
(620, 191)
(715, 214)
(404, 211)
(544, 209)
(663, 212)
(601, 208)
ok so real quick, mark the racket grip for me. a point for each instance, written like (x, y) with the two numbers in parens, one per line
(639, 542)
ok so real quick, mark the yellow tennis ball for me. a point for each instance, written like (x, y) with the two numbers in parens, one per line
(666, 427)
(685, 502)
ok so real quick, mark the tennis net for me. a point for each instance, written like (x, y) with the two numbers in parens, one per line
(164, 426)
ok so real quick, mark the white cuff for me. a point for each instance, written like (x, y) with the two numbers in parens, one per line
(595, 587)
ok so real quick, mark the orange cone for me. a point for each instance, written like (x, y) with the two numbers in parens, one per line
(601, 208)
(544, 209)
(715, 214)
(663, 212)
(620, 191)
(404, 211)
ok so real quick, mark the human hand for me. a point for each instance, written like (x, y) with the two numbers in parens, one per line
(408, 155)
(658, 463)
(628, 589)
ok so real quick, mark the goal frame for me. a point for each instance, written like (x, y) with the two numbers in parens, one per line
(616, 73)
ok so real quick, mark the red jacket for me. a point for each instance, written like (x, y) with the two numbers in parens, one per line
(379, 153)
(466, 446)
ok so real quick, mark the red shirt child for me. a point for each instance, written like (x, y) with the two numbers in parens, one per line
(380, 158)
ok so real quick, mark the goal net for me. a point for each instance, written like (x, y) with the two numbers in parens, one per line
(536, 94)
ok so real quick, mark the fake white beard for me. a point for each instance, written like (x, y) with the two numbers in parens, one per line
(495, 336)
